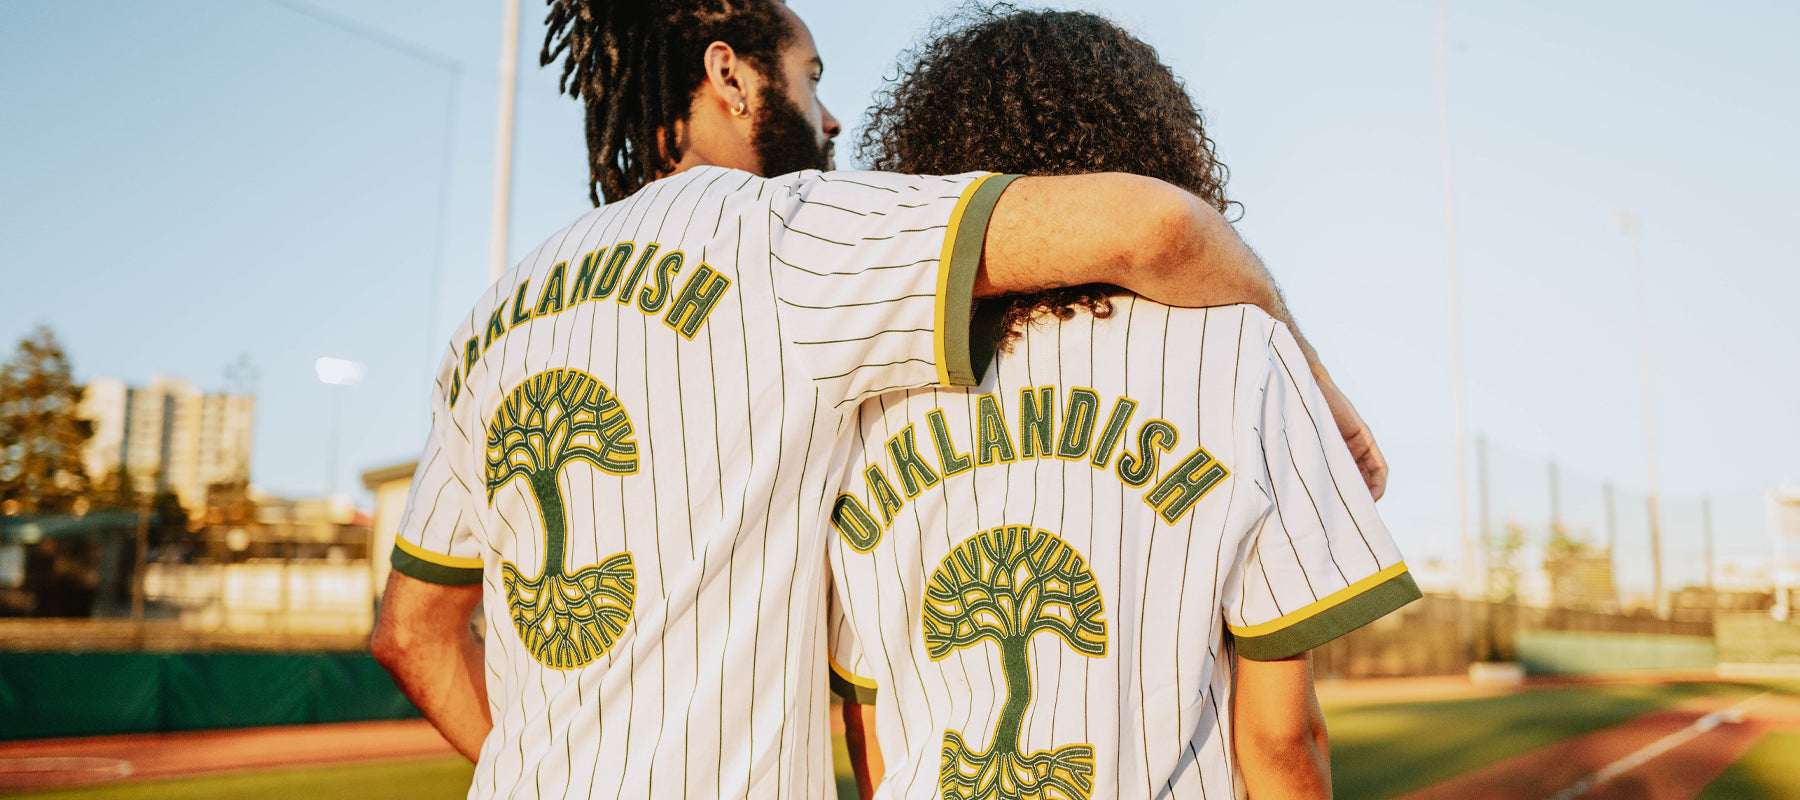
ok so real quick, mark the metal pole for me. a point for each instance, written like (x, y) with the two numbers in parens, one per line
(287, 563)
(1485, 649)
(1481, 496)
(1471, 569)
(1555, 501)
(331, 447)
(432, 334)
(1778, 568)
(1706, 532)
(1629, 223)
(1612, 523)
(142, 550)
(1656, 563)
(503, 135)
(1612, 539)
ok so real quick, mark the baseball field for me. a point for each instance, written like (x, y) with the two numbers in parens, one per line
(1417, 739)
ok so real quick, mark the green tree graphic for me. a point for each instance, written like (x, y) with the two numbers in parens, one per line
(551, 420)
(1006, 585)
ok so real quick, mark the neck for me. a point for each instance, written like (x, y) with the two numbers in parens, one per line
(711, 137)
(690, 158)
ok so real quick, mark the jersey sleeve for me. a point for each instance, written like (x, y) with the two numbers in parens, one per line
(875, 275)
(846, 657)
(436, 541)
(1321, 563)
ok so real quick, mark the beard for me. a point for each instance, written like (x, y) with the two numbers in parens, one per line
(783, 140)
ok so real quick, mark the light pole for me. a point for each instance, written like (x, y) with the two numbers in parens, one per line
(1628, 222)
(1473, 579)
(453, 69)
(337, 373)
(503, 136)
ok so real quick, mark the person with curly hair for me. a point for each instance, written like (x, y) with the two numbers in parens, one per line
(624, 463)
(1097, 573)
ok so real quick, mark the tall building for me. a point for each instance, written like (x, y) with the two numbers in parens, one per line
(168, 436)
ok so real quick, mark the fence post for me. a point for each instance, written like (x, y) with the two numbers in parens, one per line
(1706, 531)
(1477, 616)
(1555, 500)
(142, 557)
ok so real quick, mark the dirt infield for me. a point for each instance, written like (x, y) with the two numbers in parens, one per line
(1457, 687)
(1668, 755)
(85, 761)
(99, 759)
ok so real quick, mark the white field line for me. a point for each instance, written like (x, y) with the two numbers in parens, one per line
(1734, 714)
(104, 766)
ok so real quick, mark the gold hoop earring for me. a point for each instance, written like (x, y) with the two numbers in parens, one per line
(740, 110)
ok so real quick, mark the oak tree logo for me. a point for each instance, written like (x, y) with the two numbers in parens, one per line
(551, 420)
(1007, 585)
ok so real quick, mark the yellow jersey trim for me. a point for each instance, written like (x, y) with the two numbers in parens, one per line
(849, 676)
(1329, 602)
(436, 558)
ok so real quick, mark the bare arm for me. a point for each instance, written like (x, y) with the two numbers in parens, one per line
(423, 639)
(1278, 730)
(1157, 240)
(865, 752)
(1140, 233)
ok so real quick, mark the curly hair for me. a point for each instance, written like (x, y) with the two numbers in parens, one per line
(636, 65)
(1038, 92)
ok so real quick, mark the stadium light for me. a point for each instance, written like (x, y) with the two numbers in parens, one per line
(336, 372)
(1627, 224)
(1474, 578)
(339, 372)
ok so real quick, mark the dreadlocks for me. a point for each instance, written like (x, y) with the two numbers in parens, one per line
(636, 64)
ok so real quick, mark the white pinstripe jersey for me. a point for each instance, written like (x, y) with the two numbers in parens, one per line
(628, 452)
(1033, 577)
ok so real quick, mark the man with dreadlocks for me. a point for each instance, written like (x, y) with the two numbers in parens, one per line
(629, 454)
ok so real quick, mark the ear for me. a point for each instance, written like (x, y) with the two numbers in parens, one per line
(729, 80)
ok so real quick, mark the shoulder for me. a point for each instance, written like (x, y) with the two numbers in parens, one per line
(870, 187)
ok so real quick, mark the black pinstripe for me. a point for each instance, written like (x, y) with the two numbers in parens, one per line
(652, 687)
(1181, 752)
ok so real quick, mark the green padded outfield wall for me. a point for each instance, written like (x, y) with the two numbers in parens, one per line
(86, 694)
(1574, 652)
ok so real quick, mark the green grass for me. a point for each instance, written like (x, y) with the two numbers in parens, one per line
(1378, 750)
(1382, 750)
(445, 777)
(1767, 772)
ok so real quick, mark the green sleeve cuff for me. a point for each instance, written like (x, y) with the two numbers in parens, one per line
(851, 688)
(852, 693)
(959, 363)
(1328, 619)
(413, 562)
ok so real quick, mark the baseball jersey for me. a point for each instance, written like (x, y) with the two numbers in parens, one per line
(628, 453)
(1034, 578)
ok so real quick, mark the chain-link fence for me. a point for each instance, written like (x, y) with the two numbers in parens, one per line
(1558, 538)
(292, 576)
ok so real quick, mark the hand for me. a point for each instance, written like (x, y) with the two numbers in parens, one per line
(1356, 435)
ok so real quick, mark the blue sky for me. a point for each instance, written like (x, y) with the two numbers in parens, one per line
(188, 181)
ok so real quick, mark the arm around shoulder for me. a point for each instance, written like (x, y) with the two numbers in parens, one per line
(1140, 233)
(1156, 240)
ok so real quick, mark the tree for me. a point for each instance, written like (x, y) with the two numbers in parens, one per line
(1007, 585)
(1503, 563)
(551, 420)
(40, 435)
